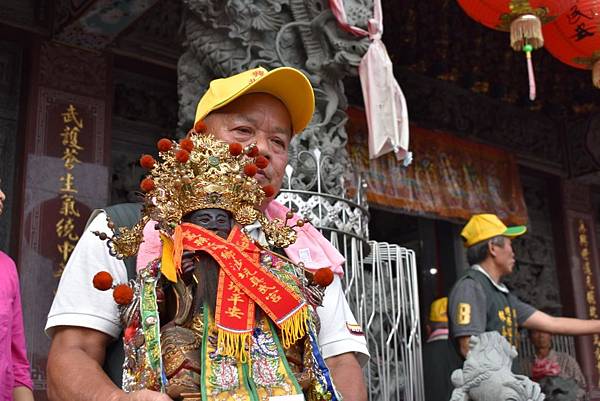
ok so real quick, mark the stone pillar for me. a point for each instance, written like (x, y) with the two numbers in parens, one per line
(65, 176)
(580, 274)
(224, 38)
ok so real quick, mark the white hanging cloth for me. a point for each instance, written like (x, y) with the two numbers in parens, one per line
(385, 105)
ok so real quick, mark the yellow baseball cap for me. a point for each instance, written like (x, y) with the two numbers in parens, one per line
(485, 226)
(438, 311)
(287, 84)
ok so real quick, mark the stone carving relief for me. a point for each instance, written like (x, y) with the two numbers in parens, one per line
(535, 278)
(223, 38)
(73, 70)
(486, 374)
(144, 110)
(442, 105)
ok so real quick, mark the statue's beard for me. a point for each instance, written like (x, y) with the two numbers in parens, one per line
(206, 271)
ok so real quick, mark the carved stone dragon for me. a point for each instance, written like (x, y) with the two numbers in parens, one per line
(226, 37)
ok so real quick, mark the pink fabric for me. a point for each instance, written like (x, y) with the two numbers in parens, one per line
(385, 105)
(14, 367)
(151, 248)
(544, 367)
(311, 247)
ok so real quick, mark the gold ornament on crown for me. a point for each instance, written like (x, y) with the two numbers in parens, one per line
(199, 172)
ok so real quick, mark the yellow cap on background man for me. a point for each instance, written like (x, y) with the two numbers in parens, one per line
(482, 227)
(438, 312)
(287, 84)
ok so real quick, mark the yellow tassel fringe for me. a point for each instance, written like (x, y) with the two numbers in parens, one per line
(238, 344)
(233, 344)
(295, 327)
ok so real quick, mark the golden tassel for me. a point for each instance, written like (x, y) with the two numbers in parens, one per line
(233, 344)
(295, 327)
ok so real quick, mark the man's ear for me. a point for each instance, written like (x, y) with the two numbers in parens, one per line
(491, 249)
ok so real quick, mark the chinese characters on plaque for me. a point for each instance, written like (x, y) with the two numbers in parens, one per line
(590, 289)
(68, 212)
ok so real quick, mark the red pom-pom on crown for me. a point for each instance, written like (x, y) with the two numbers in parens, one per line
(269, 190)
(200, 126)
(164, 145)
(147, 184)
(261, 162)
(252, 151)
(182, 156)
(147, 162)
(186, 144)
(235, 149)
(250, 170)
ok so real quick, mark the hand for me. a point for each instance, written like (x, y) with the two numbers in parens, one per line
(187, 261)
(142, 395)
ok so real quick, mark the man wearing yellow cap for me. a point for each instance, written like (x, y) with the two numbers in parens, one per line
(259, 107)
(479, 302)
(439, 357)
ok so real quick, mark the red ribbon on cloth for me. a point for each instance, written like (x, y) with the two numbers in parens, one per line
(243, 282)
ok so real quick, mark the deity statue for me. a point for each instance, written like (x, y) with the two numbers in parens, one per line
(217, 314)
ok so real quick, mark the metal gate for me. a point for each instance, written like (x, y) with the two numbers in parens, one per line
(380, 282)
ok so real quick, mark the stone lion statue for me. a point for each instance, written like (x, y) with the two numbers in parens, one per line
(487, 376)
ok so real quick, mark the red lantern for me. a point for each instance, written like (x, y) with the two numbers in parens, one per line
(522, 18)
(574, 38)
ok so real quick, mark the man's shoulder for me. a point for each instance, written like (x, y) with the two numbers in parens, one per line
(466, 280)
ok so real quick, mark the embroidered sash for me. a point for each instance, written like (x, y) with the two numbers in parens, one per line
(243, 282)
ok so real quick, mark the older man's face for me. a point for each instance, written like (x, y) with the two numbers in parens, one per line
(257, 118)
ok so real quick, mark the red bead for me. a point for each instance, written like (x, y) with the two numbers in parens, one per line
(186, 144)
(147, 162)
(261, 162)
(253, 151)
(269, 190)
(123, 294)
(147, 184)
(165, 144)
(103, 281)
(235, 149)
(323, 277)
(250, 170)
(182, 156)
(200, 126)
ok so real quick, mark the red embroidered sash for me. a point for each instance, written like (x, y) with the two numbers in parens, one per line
(242, 283)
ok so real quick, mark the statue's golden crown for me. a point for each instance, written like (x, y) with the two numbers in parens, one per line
(200, 172)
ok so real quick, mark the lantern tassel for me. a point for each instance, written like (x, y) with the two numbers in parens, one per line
(596, 74)
(526, 29)
(530, 75)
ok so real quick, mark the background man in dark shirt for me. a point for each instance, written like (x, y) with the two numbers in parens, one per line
(439, 357)
(479, 302)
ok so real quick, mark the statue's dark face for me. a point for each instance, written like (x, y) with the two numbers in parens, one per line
(217, 220)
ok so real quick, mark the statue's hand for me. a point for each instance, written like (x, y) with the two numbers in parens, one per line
(187, 261)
